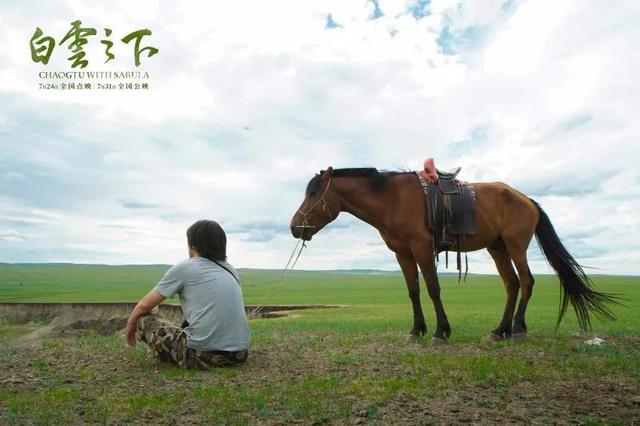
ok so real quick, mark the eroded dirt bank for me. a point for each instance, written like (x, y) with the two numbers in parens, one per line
(72, 319)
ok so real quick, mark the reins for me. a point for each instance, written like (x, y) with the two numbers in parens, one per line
(286, 269)
(294, 256)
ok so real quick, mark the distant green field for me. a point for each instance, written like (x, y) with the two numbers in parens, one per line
(375, 301)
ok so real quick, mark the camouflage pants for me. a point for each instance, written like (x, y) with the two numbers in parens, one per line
(169, 343)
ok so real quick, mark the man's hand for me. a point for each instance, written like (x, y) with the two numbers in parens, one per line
(130, 333)
(144, 306)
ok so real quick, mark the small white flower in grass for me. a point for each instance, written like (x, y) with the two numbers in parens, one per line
(596, 341)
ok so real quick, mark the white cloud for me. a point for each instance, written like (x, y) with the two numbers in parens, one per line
(249, 99)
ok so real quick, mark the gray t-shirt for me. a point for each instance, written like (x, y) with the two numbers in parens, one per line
(212, 303)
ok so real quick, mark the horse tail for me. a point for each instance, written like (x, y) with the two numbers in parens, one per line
(576, 286)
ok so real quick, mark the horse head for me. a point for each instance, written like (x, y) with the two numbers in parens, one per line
(320, 206)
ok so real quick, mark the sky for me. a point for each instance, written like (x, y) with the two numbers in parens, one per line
(249, 99)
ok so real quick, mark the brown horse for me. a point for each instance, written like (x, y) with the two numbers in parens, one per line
(506, 220)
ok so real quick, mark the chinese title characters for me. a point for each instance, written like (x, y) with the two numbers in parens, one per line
(77, 37)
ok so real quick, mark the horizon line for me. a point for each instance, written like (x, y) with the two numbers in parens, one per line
(388, 271)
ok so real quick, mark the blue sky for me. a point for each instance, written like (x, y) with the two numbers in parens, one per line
(245, 107)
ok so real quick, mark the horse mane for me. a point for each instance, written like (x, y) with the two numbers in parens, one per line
(379, 178)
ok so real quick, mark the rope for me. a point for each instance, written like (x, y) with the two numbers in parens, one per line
(303, 226)
(286, 269)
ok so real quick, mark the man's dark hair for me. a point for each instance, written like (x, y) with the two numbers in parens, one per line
(209, 239)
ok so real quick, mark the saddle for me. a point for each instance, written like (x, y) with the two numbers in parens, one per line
(450, 210)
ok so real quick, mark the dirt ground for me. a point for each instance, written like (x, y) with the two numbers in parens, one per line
(309, 378)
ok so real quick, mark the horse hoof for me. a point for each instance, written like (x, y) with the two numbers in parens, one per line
(519, 337)
(493, 337)
(412, 337)
(437, 341)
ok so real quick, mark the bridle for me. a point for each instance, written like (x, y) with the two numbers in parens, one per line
(305, 221)
(297, 250)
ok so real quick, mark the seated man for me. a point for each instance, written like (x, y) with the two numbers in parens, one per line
(215, 331)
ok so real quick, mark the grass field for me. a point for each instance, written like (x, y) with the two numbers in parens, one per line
(351, 364)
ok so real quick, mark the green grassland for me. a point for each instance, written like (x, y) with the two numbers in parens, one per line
(351, 364)
(375, 300)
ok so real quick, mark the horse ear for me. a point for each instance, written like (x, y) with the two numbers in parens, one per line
(326, 174)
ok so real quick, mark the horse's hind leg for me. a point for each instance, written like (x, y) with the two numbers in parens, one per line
(501, 257)
(518, 252)
(410, 271)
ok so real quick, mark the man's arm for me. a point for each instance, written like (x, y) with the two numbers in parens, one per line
(144, 306)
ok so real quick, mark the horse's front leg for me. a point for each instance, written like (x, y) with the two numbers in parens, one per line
(410, 271)
(427, 264)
